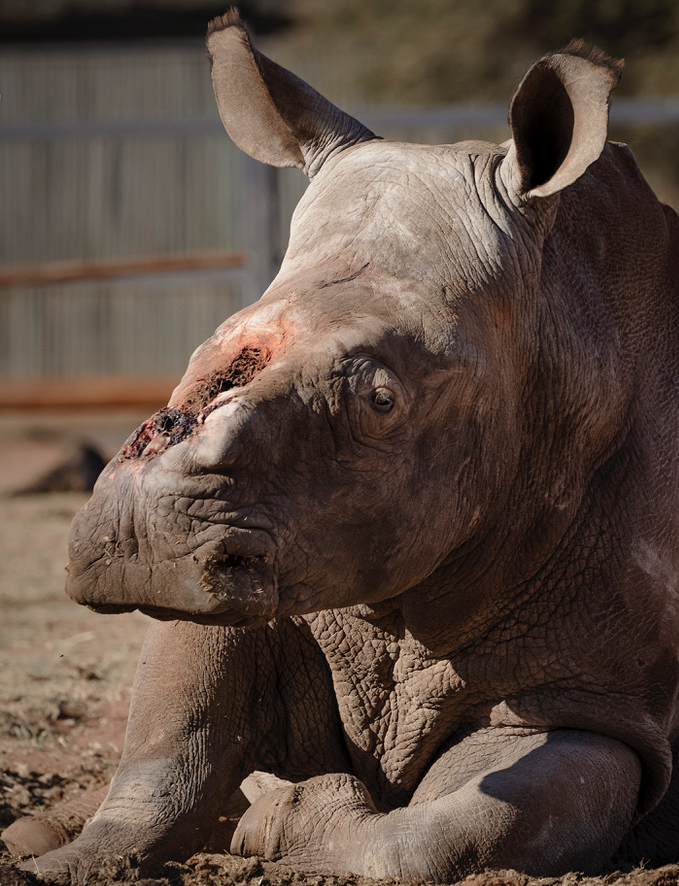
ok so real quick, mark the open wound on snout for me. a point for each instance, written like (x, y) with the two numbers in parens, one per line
(172, 424)
(243, 368)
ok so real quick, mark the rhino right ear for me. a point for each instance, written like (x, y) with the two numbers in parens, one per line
(559, 119)
(269, 113)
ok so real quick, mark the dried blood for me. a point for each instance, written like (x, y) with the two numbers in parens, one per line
(175, 424)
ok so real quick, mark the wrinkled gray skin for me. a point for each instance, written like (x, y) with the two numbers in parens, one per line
(409, 526)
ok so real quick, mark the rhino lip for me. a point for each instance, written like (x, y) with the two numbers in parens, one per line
(111, 608)
(240, 591)
(227, 580)
(228, 618)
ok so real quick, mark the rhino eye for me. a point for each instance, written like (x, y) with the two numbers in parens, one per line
(382, 400)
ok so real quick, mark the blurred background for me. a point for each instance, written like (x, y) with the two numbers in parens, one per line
(130, 226)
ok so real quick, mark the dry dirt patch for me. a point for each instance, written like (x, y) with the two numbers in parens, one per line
(65, 672)
(65, 675)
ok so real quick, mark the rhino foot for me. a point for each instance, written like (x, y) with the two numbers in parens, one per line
(287, 823)
(33, 836)
(583, 785)
(44, 832)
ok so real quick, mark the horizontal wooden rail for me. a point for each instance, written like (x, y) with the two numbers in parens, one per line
(52, 273)
(642, 110)
(61, 394)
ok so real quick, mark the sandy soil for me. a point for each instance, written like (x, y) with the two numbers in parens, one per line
(65, 674)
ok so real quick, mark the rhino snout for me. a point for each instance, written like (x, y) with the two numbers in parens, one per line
(216, 584)
(149, 540)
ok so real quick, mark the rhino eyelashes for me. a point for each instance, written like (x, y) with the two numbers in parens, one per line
(174, 424)
(383, 400)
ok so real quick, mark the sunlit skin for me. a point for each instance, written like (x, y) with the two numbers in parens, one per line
(407, 526)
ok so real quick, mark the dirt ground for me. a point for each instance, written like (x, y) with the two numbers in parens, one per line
(65, 672)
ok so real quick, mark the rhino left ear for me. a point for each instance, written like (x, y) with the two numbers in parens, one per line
(559, 119)
(269, 113)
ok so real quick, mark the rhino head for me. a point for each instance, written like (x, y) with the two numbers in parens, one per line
(376, 424)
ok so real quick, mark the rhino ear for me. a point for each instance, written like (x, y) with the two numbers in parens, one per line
(559, 119)
(269, 113)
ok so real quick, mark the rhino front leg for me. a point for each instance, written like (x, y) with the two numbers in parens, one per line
(546, 804)
(192, 734)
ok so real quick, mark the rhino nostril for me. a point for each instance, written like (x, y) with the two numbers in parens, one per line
(234, 561)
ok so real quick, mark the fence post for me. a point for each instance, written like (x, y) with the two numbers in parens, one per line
(259, 225)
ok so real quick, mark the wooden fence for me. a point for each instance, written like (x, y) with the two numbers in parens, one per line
(109, 156)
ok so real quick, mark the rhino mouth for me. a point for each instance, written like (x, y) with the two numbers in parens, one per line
(230, 589)
(228, 578)
(229, 619)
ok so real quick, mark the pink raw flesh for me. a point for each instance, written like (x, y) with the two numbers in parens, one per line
(176, 424)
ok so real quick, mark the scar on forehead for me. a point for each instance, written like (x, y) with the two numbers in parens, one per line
(346, 279)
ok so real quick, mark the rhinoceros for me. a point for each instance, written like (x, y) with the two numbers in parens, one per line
(408, 524)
